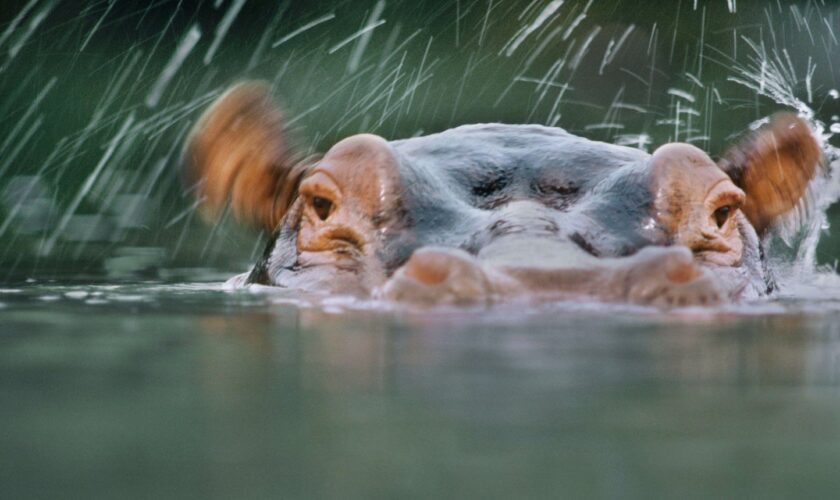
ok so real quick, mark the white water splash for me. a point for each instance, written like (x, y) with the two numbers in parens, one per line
(222, 30)
(770, 73)
(33, 25)
(364, 36)
(88, 184)
(183, 50)
(541, 18)
(304, 28)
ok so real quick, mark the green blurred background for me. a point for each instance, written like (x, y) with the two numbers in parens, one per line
(97, 96)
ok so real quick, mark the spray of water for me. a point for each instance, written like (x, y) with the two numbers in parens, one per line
(771, 73)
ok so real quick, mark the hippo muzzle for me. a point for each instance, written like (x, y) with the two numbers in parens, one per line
(492, 212)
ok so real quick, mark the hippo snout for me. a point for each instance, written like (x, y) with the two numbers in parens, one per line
(436, 275)
(659, 276)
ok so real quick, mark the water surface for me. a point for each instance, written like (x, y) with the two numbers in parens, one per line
(192, 391)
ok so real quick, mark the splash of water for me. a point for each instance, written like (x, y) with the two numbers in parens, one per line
(771, 74)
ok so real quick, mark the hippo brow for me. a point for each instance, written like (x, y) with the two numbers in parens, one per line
(287, 191)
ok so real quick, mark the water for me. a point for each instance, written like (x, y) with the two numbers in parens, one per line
(182, 391)
(127, 370)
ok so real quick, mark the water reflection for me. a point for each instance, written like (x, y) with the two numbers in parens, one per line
(204, 393)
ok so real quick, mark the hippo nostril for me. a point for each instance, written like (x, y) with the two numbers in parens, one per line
(681, 271)
(429, 268)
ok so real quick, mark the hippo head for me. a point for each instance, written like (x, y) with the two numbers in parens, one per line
(493, 211)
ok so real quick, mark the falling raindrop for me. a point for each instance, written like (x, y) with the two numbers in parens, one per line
(183, 50)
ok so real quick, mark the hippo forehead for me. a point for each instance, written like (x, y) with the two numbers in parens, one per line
(484, 166)
(463, 186)
(493, 156)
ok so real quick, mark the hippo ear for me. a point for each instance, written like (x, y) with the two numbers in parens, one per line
(238, 152)
(774, 166)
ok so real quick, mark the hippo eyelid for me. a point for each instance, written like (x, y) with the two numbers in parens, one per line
(321, 184)
(320, 194)
(725, 205)
(720, 192)
(725, 193)
(730, 199)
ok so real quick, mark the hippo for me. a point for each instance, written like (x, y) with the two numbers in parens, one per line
(497, 212)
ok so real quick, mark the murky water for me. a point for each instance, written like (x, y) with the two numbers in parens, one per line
(191, 391)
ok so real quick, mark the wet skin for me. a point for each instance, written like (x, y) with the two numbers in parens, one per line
(495, 212)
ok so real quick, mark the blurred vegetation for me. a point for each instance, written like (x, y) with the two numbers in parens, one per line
(89, 148)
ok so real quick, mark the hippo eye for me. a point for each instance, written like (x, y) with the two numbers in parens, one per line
(722, 215)
(322, 207)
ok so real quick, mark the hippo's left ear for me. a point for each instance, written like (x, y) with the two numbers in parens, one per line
(773, 166)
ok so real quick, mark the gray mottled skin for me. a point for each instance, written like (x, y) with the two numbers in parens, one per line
(511, 194)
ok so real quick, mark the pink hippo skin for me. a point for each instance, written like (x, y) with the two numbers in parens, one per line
(491, 212)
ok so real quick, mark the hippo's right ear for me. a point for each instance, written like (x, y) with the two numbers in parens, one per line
(774, 167)
(238, 153)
